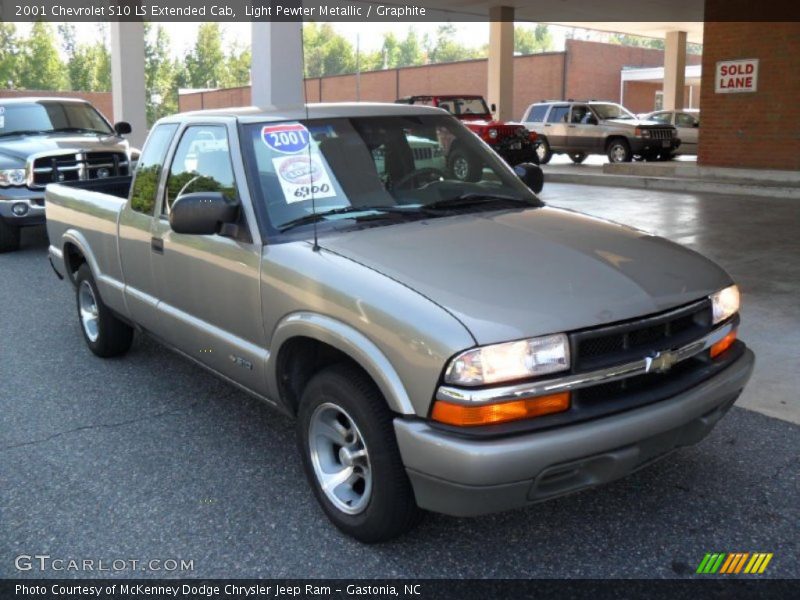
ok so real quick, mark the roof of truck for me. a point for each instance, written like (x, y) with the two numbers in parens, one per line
(253, 114)
(29, 99)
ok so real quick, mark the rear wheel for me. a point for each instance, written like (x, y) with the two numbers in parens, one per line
(577, 157)
(544, 152)
(104, 333)
(9, 237)
(619, 151)
(350, 455)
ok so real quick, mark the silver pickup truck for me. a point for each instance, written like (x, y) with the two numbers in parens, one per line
(444, 345)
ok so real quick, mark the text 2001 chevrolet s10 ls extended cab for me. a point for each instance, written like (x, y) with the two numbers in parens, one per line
(444, 345)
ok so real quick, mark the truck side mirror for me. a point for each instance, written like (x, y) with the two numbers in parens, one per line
(122, 128)
(493, 107)
(202, 213)
(531, 175)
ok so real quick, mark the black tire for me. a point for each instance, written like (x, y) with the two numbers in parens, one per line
(390, 508)
(544, 152)
(464, 166)
(577, 157)
(619, 150)
(9, 237)
(112, 337)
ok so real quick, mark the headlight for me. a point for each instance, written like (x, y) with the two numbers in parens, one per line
(12, 177)
(642, 132)
(725, 303)
(493, 133)
(509, 361)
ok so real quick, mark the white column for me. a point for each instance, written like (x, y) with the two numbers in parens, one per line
(674, 69)
(501, 60)
(277, 68)
(127, 78)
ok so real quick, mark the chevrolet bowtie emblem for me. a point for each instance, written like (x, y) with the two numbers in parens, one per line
(661, 362)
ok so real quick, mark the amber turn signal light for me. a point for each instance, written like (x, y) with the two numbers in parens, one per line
(490, 414)
(723, 344)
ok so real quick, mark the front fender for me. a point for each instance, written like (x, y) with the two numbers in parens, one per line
(346, 339)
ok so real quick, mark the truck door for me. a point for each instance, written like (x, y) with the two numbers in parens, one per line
(555, 127)
(209, 285)
(580, 132)
(135, 228)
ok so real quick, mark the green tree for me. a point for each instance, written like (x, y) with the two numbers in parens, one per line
(205, 64)
(444, 48)
(9, 50)
(238, 66)
(636, 40)
(40, 65)
(530, 41)
(160, 74)
(409, 51)
(326, 52)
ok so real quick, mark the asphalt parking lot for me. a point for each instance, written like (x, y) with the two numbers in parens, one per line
(149, 457)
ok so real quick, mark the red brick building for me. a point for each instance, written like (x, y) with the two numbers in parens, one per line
(582, 70)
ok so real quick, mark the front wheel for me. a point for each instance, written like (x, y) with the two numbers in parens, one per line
(544, 152)
(577, 157)
(350, 456)
(9, 237)
(619, 151)
(103, 332)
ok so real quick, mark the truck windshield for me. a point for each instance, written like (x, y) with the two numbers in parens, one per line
(464, 106)
(612, 111)
(48, 117)
(330, 170)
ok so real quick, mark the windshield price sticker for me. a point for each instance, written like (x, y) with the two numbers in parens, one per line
(286, 138)
(301, 177)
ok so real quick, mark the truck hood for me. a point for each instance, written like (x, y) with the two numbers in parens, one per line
(21, 147)
(510, 274)
(633, 123)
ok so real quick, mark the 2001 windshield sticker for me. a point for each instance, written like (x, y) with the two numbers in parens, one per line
(301, 176)
(286, 138)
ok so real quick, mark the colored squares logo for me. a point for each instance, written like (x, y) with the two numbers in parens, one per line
(752, 563)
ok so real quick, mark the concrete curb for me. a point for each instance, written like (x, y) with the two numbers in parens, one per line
(675, 184)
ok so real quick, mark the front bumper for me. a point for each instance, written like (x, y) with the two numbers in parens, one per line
(32, 200)
(527, 153)
(652, 146)
(465, 477)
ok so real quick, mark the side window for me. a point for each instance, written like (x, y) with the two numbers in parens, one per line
(579, 111)
(148, 171)
(558, 114)
(684, 120)
(536, 113)
(202, 163)
(663, 117)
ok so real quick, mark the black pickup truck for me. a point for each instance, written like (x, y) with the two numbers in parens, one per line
(52, 140)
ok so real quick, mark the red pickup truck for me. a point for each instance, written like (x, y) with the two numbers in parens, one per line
(512, 141)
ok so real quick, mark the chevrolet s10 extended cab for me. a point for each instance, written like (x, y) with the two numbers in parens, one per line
(445, 345)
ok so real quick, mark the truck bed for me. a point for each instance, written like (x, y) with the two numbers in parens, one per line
(85, 214)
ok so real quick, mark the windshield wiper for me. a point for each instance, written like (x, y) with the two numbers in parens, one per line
(79, 130)
(383, 211)
(472, 199)
(23, 132)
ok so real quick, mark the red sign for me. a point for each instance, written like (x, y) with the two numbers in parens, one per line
(737, 76)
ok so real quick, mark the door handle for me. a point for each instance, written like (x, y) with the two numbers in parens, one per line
(571, 126)
(157, 245)
(547, 124)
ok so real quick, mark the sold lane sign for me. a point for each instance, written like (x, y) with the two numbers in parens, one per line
(737, 76)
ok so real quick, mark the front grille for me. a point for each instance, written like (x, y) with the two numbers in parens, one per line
(77, 167)
(661, 133)
(422, 153)
(631, 340)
